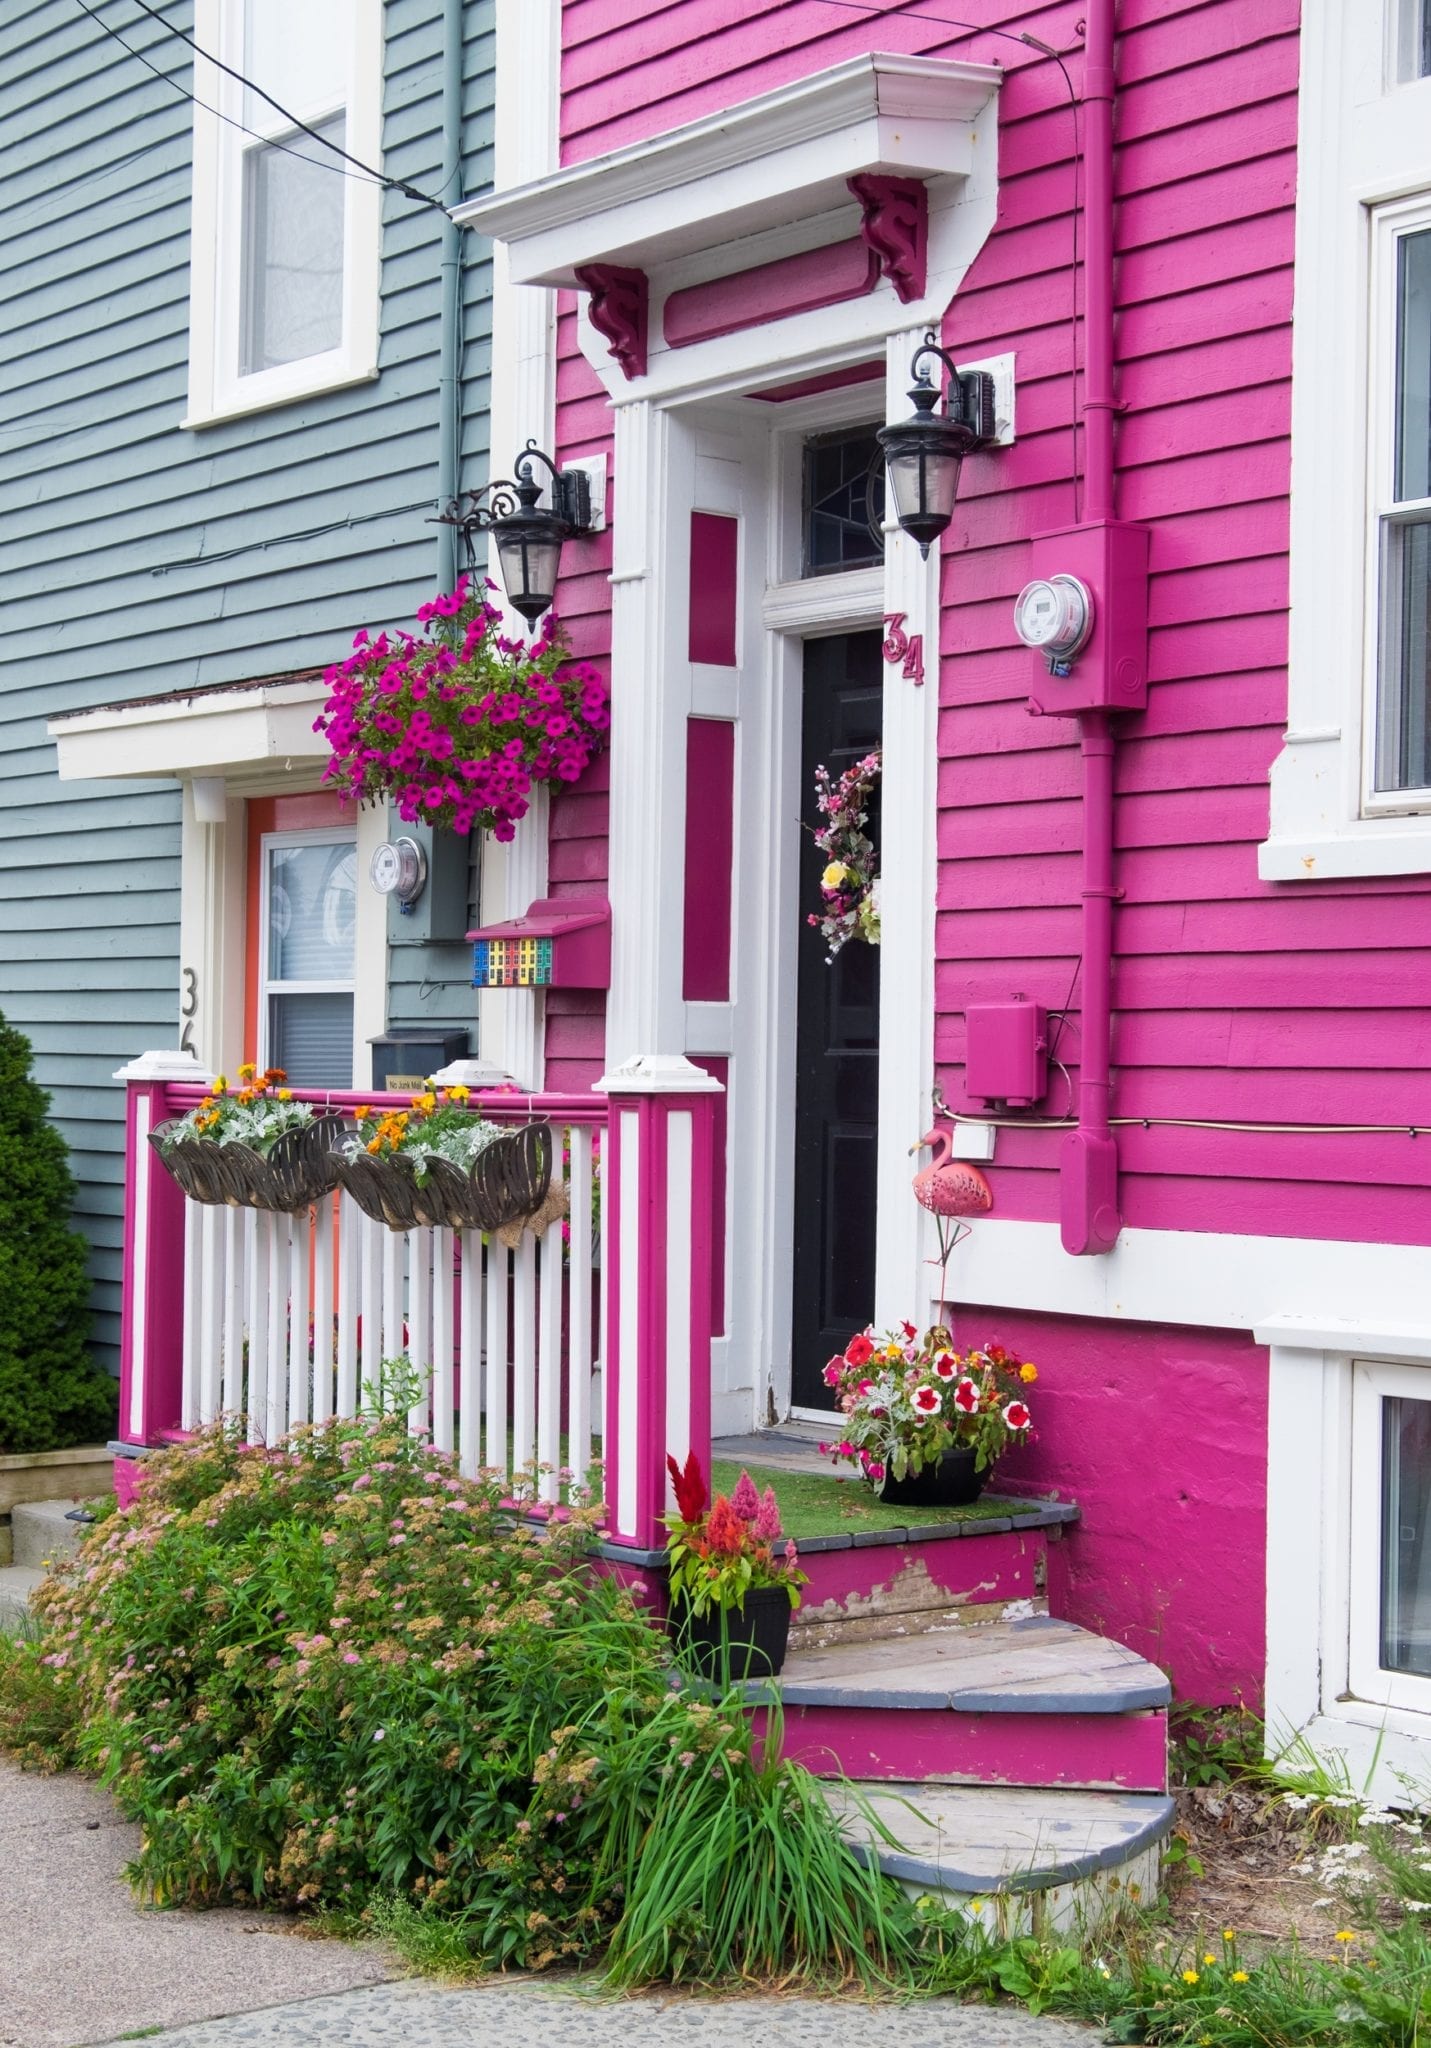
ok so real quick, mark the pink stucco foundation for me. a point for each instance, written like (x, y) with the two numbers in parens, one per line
(1160, 1435)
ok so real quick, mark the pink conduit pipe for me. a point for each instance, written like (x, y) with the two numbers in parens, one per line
(1089, 1220)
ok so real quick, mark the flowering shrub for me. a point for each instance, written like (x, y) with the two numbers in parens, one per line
(457, 726)
(907, 1399)
(718, 1557)
(254, 1114)
(438, 1126)
(849, 886)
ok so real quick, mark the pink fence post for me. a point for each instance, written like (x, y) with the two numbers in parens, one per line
(658, 1199)
(152, 1321)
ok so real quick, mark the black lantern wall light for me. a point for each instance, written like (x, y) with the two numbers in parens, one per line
(527, 535)
(924, 455)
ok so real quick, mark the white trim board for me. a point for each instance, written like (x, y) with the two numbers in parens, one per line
(1201, 1279)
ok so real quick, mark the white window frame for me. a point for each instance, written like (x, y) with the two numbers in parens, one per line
(217, 389)
(1361, 160)
(1325, 1686)
(269, 843)
(1373, 1381)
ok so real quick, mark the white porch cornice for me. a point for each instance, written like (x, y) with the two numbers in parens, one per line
(782, 156)
(240, 731)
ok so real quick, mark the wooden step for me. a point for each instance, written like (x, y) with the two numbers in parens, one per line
(1019, 1861)
(1032, 1701)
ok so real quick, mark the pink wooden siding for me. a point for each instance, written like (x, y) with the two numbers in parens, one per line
(710, 829)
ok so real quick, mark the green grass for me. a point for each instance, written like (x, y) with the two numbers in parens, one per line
(812, 1504)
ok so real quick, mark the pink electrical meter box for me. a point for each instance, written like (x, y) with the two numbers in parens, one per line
(1006, 1054)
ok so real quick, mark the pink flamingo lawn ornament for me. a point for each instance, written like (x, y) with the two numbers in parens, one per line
(949, 1189)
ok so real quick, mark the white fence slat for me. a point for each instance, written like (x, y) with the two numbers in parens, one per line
(210, 1308)
(469, 1339)
(300, 1229)
(443, 1420)
(419, 1326)
(524, 1353)
(579, 1291)
(256, 1392)
(323, 1276)
(191, 1337)
(499, 1267)
(368, 1242)
(237, 1252)
(276, 1386)
(392, 1319)
(549, 1458)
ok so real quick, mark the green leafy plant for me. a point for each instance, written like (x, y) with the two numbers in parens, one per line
(52, 1394)
(256, 1113)
(719, 1555)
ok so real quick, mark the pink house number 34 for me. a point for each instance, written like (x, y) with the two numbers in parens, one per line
(905, 648)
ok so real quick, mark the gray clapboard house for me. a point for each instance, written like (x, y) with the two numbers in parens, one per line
(239, 377)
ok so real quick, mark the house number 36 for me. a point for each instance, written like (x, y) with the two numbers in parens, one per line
(906, 648)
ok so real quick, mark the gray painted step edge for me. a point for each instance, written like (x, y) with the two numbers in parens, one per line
(1155, 1813)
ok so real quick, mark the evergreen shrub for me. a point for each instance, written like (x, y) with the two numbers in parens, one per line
(52, 1394)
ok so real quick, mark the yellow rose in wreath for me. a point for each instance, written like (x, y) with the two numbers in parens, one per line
(835, 874)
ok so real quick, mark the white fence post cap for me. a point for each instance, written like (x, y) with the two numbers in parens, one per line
(475, 1074)
(165, 1066)
(658, 1073)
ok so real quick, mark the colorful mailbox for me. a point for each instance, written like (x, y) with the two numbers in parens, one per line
(561, 942)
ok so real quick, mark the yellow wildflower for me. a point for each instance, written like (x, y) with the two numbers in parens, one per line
(1345, 1934)
(1229, 1934)
(1209, 1959)
(1239, 1976)
(1190, 1976)
(285, 1095)
(248, 1071)
(458, 1094)
(1028, 1374)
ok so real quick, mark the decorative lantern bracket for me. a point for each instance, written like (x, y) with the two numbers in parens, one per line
(527, 535)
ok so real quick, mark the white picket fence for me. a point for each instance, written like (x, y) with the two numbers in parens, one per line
(289, 1319)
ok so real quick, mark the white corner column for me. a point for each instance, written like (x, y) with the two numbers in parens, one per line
(212, 864)
(909, 868)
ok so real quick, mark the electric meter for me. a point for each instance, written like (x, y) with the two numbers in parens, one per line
(1054, 616)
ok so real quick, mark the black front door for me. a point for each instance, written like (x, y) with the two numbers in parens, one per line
(837, 1040)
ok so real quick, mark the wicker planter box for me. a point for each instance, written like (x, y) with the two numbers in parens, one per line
(506, 1182)
(298, 1169)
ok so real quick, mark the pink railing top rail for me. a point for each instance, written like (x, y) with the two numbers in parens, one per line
(501, 1105)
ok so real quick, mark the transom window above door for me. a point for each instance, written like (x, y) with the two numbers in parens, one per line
(308, 918)
(843, 502)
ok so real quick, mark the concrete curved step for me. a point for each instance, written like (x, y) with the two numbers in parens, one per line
(1032, 1861)
(1032, 1701)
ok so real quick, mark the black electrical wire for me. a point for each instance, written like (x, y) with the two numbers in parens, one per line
(369, 175)
(278, 540)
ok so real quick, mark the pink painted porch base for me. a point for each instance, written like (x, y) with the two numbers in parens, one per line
(1123, 1752)
(996, 1568)
(1160, 1435)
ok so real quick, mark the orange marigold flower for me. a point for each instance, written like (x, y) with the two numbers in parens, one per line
(375, 1144)
(362, 1115)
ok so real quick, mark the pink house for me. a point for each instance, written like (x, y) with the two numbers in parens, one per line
(741, 219)
(1153, 830)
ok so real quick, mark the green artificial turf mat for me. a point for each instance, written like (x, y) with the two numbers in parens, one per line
(814, 1504)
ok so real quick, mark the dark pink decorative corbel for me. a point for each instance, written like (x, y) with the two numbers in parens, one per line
(895, 225)
(618, 311)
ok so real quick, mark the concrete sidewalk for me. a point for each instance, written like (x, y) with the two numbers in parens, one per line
(81, 1963)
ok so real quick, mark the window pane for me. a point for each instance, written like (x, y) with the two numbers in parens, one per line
(312, 895)
(1405, 1548)
(1403, 752)
(311, 1038)
(293, 250)
(1413, 56)
(844, 502)
(1413, 367)
(298, 54)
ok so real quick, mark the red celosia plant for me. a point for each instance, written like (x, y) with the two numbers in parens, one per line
(720, 1556)
(457, 726)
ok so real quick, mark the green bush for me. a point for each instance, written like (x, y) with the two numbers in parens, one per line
(51, 1392)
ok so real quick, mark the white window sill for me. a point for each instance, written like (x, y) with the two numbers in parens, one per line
(1368, 850)
(241, 407)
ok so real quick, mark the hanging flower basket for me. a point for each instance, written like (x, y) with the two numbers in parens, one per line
(458, 726)
(252, 1147)
(440, 1165)
(849, 884)
(298, 1169)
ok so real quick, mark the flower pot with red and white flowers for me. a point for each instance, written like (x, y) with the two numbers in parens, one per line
(732, 1585)
(925, 1423)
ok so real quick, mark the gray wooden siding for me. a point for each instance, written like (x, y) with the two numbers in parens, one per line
(136, 557)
